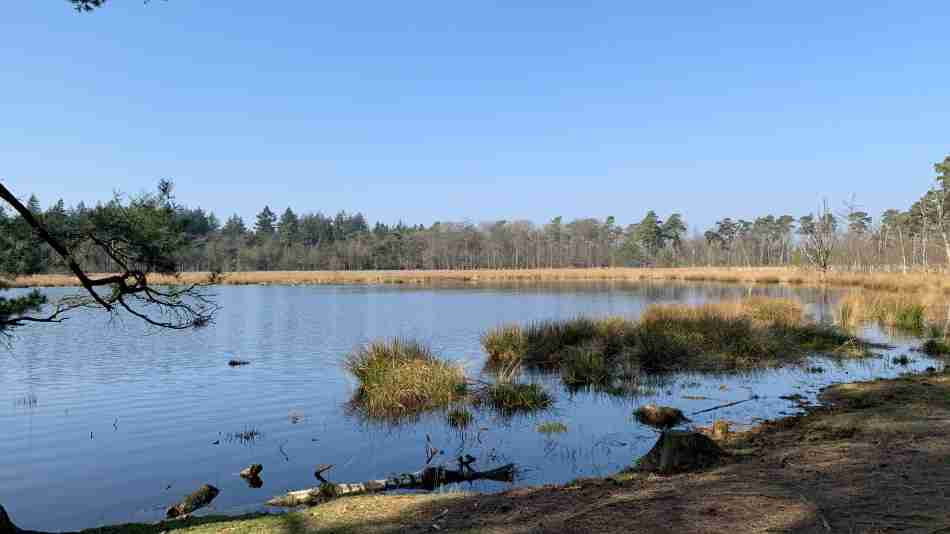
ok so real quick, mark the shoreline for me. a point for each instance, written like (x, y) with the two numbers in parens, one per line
(868, 448)
(899, 282)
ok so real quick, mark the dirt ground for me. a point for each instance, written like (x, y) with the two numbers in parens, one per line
(874, 458)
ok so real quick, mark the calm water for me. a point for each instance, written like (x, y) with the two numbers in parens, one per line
(111, 422)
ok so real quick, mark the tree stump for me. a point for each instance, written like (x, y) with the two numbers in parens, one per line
(677, 451)
(196, 500)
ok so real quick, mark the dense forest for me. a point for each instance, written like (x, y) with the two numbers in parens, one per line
(844, 236)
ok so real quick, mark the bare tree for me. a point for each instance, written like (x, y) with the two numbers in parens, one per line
(819, 237)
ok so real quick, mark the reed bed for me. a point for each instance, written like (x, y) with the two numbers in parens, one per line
(727, 336)
(893, 282)
(909, 311)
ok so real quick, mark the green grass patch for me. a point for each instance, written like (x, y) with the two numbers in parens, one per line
(512, 398)
(552, 427)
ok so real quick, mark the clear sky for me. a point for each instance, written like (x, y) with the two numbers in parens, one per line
(478, 110)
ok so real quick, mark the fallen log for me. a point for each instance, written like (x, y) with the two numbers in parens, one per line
(427, 479)
(196, 500)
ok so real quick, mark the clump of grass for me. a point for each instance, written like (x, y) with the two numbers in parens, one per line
(552, 427)
(505, 345)
(459, 418)
(544, 340)
(585, 366)
(935, 347)
(511, 397)
(750, 333)
(401, 377)
(907, 311)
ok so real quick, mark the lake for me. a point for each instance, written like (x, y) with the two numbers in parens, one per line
(106, 422)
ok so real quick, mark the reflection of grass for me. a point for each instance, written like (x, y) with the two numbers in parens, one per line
(743, 334)
(397, 377)
(552, 427)
(459, 418)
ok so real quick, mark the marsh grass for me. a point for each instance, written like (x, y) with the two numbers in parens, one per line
(552, 427)
(509, 398)
(890, 282)
(403, 376)
(504, 345)
(733, 335)
(912, 312)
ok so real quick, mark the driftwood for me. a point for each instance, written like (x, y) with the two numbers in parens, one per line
(196, 500)
(427, 479)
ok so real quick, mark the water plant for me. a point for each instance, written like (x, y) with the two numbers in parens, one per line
(935, 347)
(743, 334)
(504, 344)
(512, 397)
(402, 376)
(552, 427)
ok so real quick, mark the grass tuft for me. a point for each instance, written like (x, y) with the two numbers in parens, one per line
(399, 377)
(511, 397)
(504, 345)
(552, 427)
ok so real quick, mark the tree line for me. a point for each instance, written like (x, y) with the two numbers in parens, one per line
(846, 237)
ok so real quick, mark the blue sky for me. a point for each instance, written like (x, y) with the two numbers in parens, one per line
(428, 111)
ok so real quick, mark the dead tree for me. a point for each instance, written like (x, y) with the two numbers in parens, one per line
(426, 479)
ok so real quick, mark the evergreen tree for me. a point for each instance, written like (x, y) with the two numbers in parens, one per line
(264, 227)
(289, 228)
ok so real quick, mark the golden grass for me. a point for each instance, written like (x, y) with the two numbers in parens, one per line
(759, 275)
(906, 310)
(403, 377)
